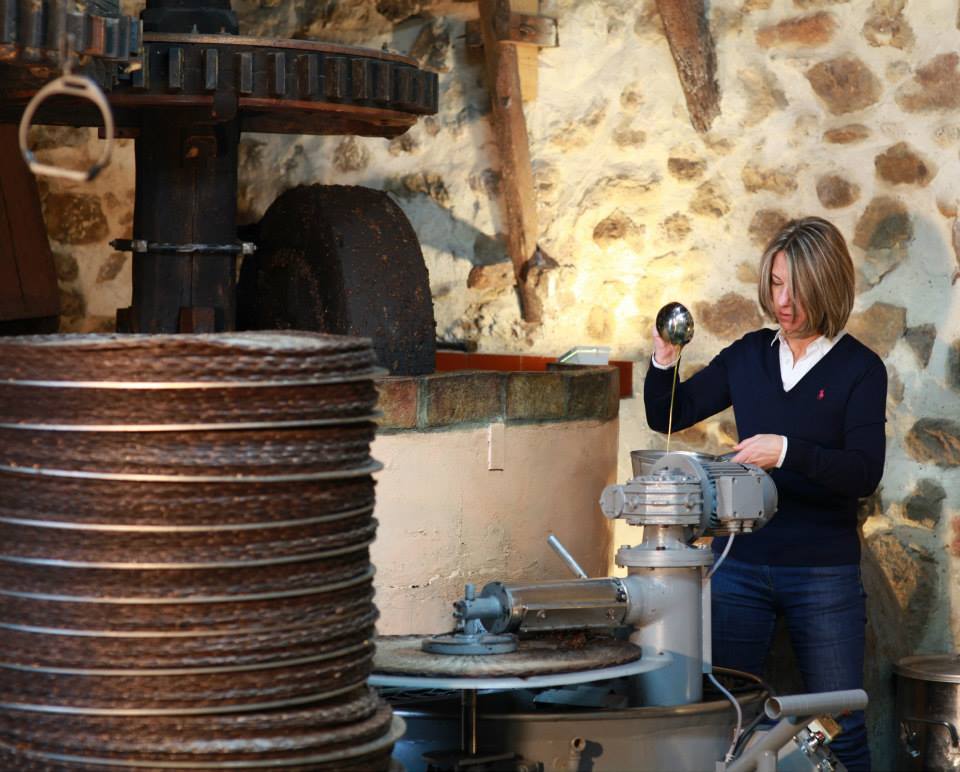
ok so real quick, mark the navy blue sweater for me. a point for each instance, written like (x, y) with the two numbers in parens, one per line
(833, 420)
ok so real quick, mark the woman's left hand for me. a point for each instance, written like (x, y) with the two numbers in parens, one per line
(763, 450)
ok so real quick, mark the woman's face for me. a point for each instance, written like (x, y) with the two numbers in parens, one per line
(790, 315)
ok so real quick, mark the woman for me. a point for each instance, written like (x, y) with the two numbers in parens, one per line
(809, 401)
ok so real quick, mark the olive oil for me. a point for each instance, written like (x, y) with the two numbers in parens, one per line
(673, 394)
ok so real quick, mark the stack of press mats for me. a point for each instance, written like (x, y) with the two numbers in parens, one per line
(185, 580)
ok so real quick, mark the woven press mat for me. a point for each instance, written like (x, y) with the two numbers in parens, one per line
(185, 580)
(403, 655)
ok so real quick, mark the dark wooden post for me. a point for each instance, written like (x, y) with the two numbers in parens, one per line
(186, 194)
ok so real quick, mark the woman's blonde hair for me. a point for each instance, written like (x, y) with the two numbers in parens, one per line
(820, 274)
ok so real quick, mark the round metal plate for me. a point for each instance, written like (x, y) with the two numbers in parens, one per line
(457, 644)
(646, 664)
(940, 668)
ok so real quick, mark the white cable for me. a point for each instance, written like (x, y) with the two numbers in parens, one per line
(723, 555)
(736, 706)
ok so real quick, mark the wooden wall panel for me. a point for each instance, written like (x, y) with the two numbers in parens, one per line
(28, 278)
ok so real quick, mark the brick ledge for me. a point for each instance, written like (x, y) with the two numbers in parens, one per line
(448, 399)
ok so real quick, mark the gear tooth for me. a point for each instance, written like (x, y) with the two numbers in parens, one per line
(8, 21)
(335, 77)
(244, 62)
(175, 74)
(308, 76)
(382, 82)
(277, 69)
(211, 69)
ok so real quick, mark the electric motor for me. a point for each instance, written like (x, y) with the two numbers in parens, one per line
(715, 498)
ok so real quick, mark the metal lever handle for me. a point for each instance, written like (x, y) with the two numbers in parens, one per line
(75, 86)
(567, 558)
(908, 736)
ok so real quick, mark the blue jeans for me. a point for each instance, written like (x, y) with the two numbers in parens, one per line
(824, 608)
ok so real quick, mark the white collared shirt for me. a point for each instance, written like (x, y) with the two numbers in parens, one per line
(790, 372)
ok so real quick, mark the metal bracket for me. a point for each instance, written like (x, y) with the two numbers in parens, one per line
(141, 246)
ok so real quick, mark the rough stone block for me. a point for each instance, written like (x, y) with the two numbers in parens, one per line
(845, 84)
(953, 365)
(902, 165)
(925, 504)
(463, 397)
(835, 192)
(846, 135)
(935, 87)
(879, 327)
(766, 224)
(921, 339)
(536, 396)
(781, 181)
(935, 440)
(805, 31)
(731, 316)
(593, 393)
(75, 218)
(398, 402)
(710, 200)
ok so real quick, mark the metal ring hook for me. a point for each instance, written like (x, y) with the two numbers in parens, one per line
(75, 86)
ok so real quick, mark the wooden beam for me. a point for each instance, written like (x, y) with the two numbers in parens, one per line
(540, 31)
(685, 22)
(529, 31)
(516, 172)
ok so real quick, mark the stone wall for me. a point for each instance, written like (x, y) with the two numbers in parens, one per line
(845, 109)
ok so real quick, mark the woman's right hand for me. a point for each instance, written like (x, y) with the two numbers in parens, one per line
(664, 353)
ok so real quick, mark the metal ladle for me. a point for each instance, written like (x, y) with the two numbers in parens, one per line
(675, 324)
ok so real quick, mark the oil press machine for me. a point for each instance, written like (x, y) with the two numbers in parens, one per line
(632, 700)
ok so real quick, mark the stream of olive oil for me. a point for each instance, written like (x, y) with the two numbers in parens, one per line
(673, 393)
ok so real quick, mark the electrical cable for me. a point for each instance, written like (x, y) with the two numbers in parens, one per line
(736, 706)
(723, 556)
(750, 728)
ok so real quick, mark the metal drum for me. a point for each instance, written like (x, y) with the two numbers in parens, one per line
(646, 739)
(185, 579)
(928, 712)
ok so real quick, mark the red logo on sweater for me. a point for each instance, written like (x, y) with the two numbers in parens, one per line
(820, 394)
